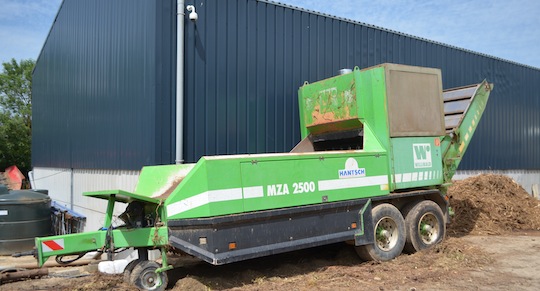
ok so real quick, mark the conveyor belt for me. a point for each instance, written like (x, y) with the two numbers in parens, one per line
(456, 103)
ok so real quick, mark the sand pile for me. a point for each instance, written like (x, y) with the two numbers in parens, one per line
(491, 204)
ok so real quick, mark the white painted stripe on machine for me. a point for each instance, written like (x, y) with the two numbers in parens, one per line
(187, 204)
(253, 192)
(337, 184)
(224, 195)
(407, 177)
(204, 198)
(417, 176)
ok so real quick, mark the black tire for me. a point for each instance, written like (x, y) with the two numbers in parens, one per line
(425, 226)
(129, 269)
(388, 235)
(144, 276)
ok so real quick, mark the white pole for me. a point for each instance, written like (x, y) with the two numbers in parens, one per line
(180, 82)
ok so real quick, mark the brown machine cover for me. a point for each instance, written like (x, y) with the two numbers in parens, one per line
(415, 104)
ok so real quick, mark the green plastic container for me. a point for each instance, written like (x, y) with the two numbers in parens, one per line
(24, 215)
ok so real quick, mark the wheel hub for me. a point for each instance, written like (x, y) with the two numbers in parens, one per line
(150, 279)
(386, 234)
(429, 228)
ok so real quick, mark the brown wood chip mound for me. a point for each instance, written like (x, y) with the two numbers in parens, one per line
(491, 204)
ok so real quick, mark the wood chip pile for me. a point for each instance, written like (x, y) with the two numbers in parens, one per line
(491, 204)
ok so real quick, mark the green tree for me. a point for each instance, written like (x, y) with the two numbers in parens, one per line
(16, 114)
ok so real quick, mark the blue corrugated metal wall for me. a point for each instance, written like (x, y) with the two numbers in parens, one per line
(102, 86)
(104, 83)
(246, 59)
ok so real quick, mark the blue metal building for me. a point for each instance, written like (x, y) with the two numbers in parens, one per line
(104, 83)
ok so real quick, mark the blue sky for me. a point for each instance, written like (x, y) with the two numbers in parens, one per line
(508, 29)
(24, 25)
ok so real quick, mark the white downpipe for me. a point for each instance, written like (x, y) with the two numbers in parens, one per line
(179, 159)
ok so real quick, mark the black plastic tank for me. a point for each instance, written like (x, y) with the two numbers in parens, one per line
(24, 215)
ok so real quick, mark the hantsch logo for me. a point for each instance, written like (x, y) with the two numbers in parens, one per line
(351, 170)
(422, 155)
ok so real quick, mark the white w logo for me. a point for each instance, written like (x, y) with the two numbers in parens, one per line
(422, 155)
(421, 151)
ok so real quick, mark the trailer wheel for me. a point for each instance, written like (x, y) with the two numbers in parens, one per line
(144, 276)
(425, 226)
(129, 269)
(389, 235)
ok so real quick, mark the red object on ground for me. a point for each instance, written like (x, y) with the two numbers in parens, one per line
(15, 177)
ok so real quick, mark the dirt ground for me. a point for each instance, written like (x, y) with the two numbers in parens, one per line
(493, 243)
